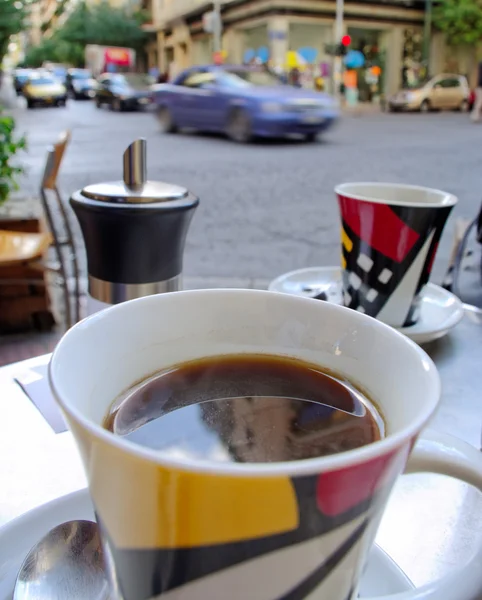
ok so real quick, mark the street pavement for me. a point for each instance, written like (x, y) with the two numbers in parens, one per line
(267, 207)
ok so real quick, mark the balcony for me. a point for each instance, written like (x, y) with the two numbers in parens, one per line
(173, 9)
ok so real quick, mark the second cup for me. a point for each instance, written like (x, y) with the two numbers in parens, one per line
(389, 234)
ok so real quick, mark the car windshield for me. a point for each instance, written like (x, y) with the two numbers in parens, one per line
(43, 80)
(133, 80)
(81, 75)
(249, 78)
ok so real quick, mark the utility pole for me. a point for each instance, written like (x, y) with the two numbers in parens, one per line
(427, 34)
(217, 29)
(338, 62)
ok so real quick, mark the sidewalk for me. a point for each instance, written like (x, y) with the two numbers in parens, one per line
(362, 108)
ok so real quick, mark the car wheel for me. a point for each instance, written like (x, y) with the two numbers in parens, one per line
(62, 102)
(311, 137)
(239, 127)
(30, 104)
(166, 121)
(425, 106)
(117, 105)
(98, 103)
(464, 106)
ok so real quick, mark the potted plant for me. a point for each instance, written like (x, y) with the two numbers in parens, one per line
(10, 145)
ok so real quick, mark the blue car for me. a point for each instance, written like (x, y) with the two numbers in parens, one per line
(242, 102)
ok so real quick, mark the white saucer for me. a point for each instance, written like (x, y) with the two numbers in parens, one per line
(382, 575)
(440, 310)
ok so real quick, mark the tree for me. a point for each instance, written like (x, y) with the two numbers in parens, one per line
(461, 21)
(12, 15)
(98, 24)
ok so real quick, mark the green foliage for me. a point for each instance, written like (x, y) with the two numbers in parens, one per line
(10, 145)
(460, 20)
(89, 24)
(12, 15)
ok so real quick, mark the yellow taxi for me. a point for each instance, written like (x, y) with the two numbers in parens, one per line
(44, 89)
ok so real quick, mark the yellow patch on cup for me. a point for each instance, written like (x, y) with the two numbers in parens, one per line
(346, 241)
(144, 505)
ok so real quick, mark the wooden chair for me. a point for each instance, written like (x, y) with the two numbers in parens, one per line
(23, 299)
(24, 256)
(60, 227)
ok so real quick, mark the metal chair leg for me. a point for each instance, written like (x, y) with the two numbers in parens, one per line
(60, 258)
(75, 264)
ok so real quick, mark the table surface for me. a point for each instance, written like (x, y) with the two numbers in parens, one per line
(432, 523)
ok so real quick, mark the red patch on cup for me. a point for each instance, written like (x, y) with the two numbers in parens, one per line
(379, 227)
(339, 491)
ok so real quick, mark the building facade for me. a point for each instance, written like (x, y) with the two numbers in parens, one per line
(391, 32)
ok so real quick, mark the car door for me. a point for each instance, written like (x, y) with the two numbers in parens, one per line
(436, 94)
(454, 92)
(104, 90)
(447, 91)
(177, 98)
(197, 94)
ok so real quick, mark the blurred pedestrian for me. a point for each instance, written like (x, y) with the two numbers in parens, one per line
(478, 96)
(294, 77)
(308, 77)
(319, 84)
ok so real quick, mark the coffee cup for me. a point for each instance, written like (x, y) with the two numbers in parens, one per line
(390, 234)
(180, 528)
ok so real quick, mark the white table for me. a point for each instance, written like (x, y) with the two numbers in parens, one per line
(432, 522)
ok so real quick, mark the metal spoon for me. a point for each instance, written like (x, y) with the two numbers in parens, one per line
(67, 563)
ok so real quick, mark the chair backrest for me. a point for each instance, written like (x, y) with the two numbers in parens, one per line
(54, 160)
(57, 217)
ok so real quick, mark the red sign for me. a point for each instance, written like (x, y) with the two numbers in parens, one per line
(118, 56)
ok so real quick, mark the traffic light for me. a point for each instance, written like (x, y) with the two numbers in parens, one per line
(342, 47)
(346, 41)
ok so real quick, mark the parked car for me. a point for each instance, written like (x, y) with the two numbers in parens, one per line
(42, 88)
(242, 102)
(446, 91)
(58, 70)
(20, 78)
(124, 91)
(80, 83)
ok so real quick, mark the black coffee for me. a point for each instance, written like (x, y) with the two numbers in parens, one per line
(246, 408)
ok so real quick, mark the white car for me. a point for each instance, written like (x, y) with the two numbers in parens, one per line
(443, 92)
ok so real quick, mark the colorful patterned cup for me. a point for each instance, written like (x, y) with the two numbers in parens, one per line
(389, 236)
(177, 528)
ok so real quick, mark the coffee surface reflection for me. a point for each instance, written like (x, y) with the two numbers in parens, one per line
(246, 408)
